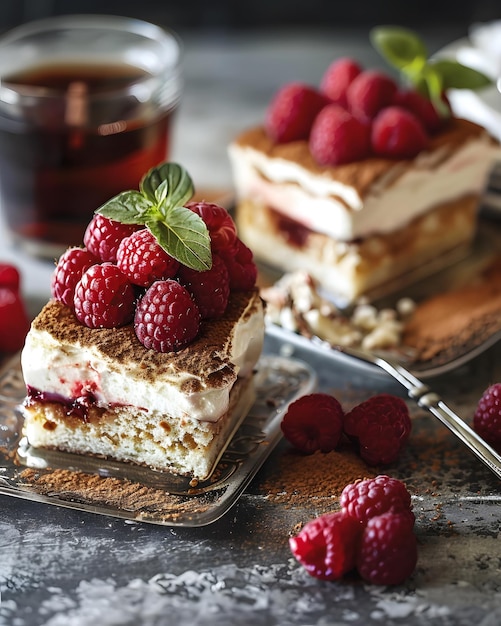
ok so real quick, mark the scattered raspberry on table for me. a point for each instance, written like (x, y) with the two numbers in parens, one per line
(314, 422)
(372, 534)
(487, 417)
(14, 321)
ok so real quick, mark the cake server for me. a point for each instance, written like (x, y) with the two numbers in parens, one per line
(427, 399)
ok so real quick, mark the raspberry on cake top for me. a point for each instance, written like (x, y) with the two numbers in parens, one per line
(147, 349)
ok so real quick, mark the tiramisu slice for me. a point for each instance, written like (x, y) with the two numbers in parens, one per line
(141, 356)
(372, 186)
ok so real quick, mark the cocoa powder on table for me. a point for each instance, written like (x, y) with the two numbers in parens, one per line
(316, 480)
(114, 493)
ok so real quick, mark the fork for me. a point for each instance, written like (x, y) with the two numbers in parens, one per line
(431, 401)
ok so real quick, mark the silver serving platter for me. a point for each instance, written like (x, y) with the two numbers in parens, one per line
(138, 493)
(292, 342)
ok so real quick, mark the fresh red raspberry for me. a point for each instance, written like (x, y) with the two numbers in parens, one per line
(142, 259)
(327, 546)
(339, 75)
(388, 550)
(9, 276)
(242, 270)
(370, 92)
(487, 417)
(166, 317)
(338, 137)
(314, 422)
(69, 270)
(222, 229)
(421, 107)
(104, 297)
(210, 289)
(14, 322)
(291, 112)
(397, 133)
(368, 498)
(381, 426)
(103, 236)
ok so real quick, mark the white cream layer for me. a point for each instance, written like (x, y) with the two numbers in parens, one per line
(325, 205)
(72, 372)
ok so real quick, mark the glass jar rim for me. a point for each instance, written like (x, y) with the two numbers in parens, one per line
(81, 22)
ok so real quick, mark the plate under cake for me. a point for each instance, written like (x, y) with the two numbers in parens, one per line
(100, 392)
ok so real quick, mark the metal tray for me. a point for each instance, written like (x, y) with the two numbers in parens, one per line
(291, 342)
(131, 492)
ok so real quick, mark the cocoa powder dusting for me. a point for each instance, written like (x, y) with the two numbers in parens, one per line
(451, 323)
(454, 134)
(123, 495)
(315, 480)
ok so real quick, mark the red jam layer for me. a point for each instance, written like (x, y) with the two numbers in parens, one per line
(74, 407)
(294, 233)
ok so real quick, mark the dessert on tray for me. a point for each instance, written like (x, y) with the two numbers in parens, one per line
(359, 181)
(146, 351)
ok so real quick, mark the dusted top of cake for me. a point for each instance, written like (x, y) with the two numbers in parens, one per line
(454, 134)
(207, 361)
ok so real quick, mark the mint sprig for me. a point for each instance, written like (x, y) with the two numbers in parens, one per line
(404, 50)
(159, 205)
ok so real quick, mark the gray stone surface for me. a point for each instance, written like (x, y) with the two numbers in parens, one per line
(61, 567)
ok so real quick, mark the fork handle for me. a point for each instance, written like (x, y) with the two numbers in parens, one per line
(432, 402)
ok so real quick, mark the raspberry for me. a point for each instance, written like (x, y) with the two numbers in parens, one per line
(291, 112)
(338, 137)
(388, 550)
(14, 322)
(421, 107)
(370, 92)
(368, 498)
(9, 276)
(381, 426)
(314, 422)
(327, 546)
(143, 260)
(487, 417)
(104, 297)
(222, 229)
(103, 236)
(69, 270)
(242, 270)
(166, 317)
(210, 289)
(339, 75)
(397, 133)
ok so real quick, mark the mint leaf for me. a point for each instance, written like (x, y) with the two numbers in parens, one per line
(457, 76)
(129, 207)
(433, 89)
(405, 51)
(399, 46)
(158, 205)
(176, 179)
(185, 236)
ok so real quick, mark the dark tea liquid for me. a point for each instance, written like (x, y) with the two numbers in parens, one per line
(63, 158)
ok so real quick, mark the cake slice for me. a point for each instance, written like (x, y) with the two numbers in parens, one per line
(122, 378)
(376, 187)
(101, 392)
